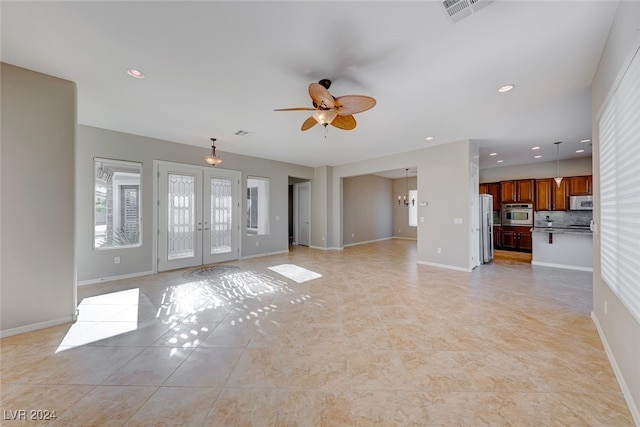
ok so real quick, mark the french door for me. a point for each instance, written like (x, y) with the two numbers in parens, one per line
(198, 215)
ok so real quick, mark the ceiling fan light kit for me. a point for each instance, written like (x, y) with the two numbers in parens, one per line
(329, 110)
(212, 159)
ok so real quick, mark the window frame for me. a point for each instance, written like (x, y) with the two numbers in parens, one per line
(98, 164)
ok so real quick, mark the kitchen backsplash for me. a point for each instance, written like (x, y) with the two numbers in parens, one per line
(562, 218)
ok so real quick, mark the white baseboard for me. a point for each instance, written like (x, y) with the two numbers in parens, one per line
(333, 248)
(35, 326)
(405, 238)
(265, 254)
(635, 412)
(109, 279)
(568, 267)
(368, 241)
(449, 267)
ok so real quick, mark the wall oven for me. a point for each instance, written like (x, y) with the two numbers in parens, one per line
(517, 214)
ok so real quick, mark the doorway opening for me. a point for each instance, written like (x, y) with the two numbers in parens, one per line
(299, 211)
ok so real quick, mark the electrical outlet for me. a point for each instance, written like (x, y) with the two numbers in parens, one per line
(116, 260)
(439, 250)
(353, 234)
(605, 307)
(257, 243)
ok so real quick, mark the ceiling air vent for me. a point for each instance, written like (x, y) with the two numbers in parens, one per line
(455, 10)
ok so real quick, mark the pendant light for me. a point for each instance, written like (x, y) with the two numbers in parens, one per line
(212, 159)
(405, 199)
(558, 178)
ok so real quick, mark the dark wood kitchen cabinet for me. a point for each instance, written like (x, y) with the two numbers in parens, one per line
(580, 185)
(497, 237)
(516, 238)
(550, 197)
(518, 191)
(492, 188)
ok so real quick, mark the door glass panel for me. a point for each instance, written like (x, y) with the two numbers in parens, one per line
(221, 215)
(181, 238)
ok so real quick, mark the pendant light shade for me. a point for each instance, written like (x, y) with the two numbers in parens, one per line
(558, 178)
(212, 158)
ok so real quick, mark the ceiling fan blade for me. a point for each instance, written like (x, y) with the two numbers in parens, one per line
(344, 122)
(309, 123)
(321, 96)
(352, 104)
(295, 109)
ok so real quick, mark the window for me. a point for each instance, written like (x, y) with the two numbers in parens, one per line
(413, 208)
(257, 206)
(620, 190)
(117, 194)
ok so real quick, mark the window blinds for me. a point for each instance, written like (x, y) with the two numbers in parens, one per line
(620, 190)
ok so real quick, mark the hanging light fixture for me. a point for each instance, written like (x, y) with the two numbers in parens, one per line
(212, 159)
(325, 117)
(405, 200)
(558, 178)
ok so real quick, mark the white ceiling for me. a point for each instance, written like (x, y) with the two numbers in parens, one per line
(214, 68)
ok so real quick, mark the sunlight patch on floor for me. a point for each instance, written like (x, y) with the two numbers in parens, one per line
(296, 273)
(103, 316)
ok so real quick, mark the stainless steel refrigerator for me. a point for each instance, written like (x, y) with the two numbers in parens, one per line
(486, 228)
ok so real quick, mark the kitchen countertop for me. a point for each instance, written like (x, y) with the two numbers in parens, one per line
(563, 230)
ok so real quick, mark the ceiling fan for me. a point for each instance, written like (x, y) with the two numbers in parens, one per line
(330, 110)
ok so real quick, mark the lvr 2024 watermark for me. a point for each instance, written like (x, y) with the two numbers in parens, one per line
(28, 414)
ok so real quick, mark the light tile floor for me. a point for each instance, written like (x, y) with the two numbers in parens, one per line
(376, 340)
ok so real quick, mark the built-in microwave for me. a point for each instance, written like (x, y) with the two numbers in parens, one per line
(581, 203)
(517, 214)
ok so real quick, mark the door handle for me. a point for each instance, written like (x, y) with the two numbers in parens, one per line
(206, 228)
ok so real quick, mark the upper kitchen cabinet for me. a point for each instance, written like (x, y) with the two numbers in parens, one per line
(550, 197)
(580, 185)
(492, 188)
(519, 191)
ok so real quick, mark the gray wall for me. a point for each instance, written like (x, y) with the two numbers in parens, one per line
(401, 227)
(619, 328)
(37, 214)
(572, 167)
(94, 142)
(367, 209)
(444, 183)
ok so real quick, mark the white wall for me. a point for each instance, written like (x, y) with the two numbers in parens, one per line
(618, 327)
(37, 261)
(94, 142)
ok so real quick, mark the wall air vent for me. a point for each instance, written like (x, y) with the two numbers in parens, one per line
(455, 10)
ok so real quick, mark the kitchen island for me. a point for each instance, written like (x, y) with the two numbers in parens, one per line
(570, 248)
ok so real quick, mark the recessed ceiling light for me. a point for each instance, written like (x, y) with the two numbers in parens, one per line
(493, 154)
(500, 161)
(585, 140)
(535, 148)
(579, 151)
(505, 88)
(135, 73)
(429, 138)
(537, 157)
